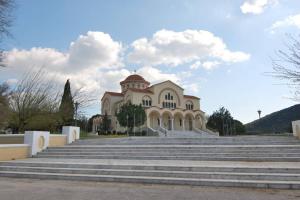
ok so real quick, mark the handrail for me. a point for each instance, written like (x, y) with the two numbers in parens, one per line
(212, 132)
(163, 130)
(197, 130)
(207, 131)
(152, 129)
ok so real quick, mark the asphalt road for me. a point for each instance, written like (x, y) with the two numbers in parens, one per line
(33, 189)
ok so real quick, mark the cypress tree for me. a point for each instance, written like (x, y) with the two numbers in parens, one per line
(66, 107)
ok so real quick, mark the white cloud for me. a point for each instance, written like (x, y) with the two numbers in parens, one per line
(293, 20)
(172, 48)
(256, 6)
(96, 49)
(191, 88)
(154, 75)
(93, 61)
(195, 65)
(88, 62)
(210, 64)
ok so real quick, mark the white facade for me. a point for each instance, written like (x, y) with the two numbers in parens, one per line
(165, 105)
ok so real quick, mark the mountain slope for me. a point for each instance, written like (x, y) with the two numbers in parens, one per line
(279, 121)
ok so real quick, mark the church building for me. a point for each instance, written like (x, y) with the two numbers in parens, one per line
(167, 107)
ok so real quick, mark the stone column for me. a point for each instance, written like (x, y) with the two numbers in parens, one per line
(193, 124)
(160, 121)
(148, 121)
(172, 123)
(183, 124)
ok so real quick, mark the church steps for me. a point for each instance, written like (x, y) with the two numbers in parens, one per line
(159, 173)
(248, 168)
(229, 154)
(207, 143)
(172, 152)
(261, 162)
(157, 180)
(196, 158)
(187, 147)
(212, 139)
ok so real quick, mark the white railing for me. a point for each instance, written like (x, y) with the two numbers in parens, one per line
(197, 130)
(163, 131)
(207, 131)
(153, 130)
(212, 132)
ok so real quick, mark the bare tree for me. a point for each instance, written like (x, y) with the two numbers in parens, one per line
(34, 98)
(286, 66)
(6, 7)
(4, 107)
(84, 99)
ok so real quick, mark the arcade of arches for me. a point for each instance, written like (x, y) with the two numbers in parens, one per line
(178, 120)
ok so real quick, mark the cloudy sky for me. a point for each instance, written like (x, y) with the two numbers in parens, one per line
(217, 50)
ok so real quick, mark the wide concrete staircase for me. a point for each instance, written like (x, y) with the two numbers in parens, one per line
(248, 161)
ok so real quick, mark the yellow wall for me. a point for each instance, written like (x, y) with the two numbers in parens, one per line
(12, 152)
(12, 139)
(57, 140)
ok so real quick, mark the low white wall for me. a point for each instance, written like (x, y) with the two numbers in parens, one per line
(38, 141)
(72, 133)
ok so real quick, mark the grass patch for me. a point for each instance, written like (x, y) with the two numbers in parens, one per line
(83, 134)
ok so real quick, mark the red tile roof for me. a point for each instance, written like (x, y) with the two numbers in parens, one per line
(112, 94)
(135, 77)
(140, 90)
(191, 97)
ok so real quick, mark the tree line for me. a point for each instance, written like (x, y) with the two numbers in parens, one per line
(36, 103)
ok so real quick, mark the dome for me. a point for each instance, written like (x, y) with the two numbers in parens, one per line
(134, 78)
(134, 81)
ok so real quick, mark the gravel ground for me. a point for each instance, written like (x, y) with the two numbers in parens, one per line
(33, 189)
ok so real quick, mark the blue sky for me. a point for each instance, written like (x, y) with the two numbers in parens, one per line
(217, 50)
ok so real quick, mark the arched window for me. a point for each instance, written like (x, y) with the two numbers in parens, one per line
(146, 101)
(189, 105)
(168, 99)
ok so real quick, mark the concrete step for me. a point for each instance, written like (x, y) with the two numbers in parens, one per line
(199, 143)
(157, 180)
(178, 147)
(158, 173)
(187, 142)
(198, 158)
(187, 154)
(175, 152)
(154, 167)
(172, 149)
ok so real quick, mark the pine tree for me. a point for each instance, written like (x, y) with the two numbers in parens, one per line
(66, 107)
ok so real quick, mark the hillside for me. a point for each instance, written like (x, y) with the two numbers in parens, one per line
(279, 121)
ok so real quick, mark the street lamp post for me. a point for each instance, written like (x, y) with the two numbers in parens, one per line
(127, 125)
(259, 113)
(76, 109)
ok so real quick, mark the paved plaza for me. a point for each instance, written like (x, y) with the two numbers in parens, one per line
(34, 189)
